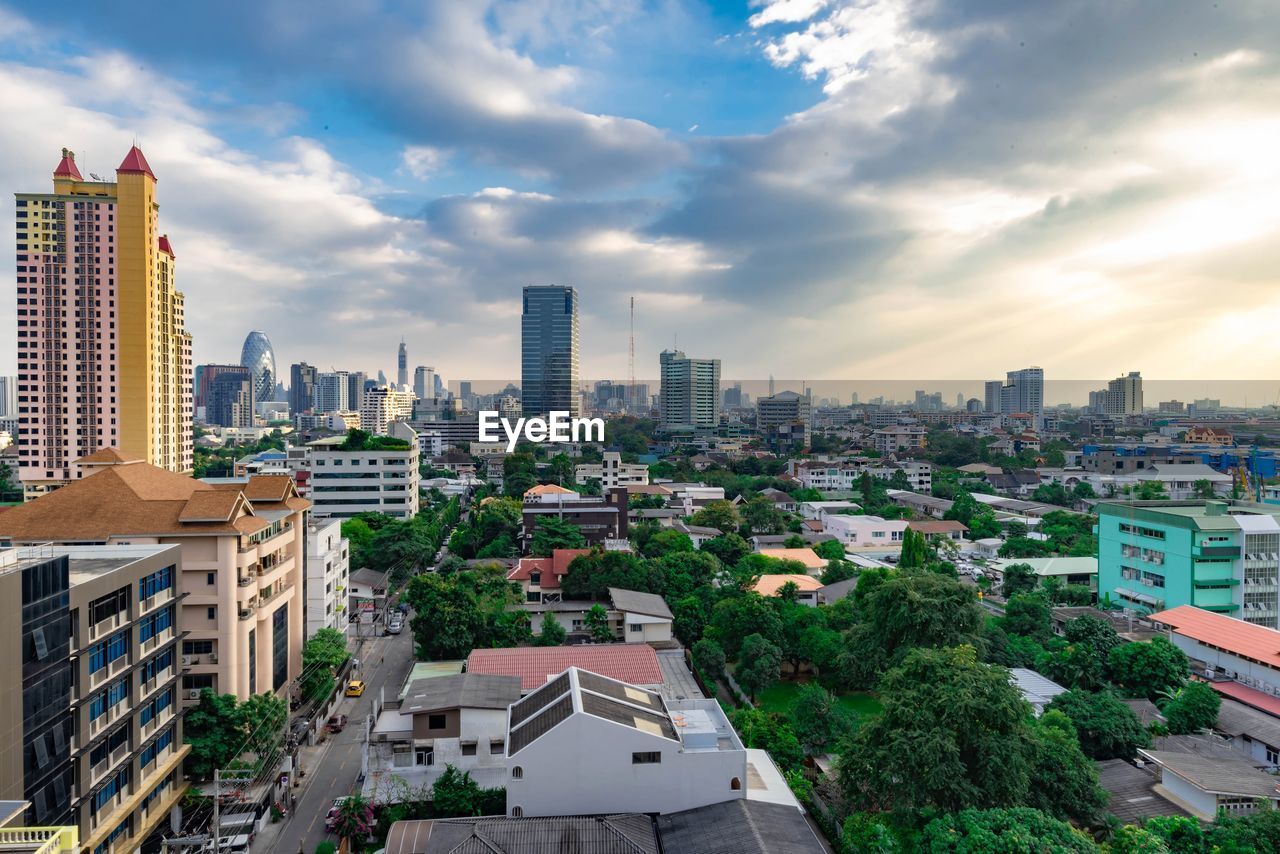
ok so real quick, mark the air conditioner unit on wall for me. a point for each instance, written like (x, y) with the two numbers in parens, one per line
(193, 694)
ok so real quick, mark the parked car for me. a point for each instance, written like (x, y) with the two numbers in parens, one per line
(355, 688)
(331, 817)
(395, 626)
(336, 724)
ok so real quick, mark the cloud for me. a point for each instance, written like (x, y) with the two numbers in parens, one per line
(423, 161)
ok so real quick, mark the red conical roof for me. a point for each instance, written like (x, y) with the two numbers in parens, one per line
(135, 163)
(67, 166)
(165, 246)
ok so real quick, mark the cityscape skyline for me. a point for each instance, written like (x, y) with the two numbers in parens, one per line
(699, 201)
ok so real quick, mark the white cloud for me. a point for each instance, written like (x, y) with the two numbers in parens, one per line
(785, 11)
(423, 161)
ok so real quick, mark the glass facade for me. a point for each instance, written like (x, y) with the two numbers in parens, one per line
(279, 647)
(549, 350)
(46, 691)
(260, 359)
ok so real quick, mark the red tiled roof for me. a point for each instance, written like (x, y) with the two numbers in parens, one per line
(165, 246)
(1246, 640)
(135, 163)
(551, 567)
(769, 585)
(1249, 696)
(634, 663)
(67, 166)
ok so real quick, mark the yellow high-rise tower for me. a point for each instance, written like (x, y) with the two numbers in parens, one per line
(104, 358)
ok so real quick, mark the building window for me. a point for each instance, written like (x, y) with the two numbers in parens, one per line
(517, 773)
(517, 812)
(468, 748)
(424, 756)
(735, 784)
(652, 757)
(497, 747)
(635, 627)
(435, 721)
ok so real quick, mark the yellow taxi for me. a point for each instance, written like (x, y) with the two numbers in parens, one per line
(355, 688)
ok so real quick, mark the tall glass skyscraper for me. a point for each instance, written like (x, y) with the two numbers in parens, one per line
(260, 359)
(549, 350)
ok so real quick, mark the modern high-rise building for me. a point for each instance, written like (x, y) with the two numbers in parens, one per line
(690, 393)
(8, 397)
(1121, 397)
(357, 383)
(258, 356)
(302, 387)
(229, 399)
(1023, 392)
(991, 392)
(333, 392)
(424, 382)
(103, 352)
(92, 668)
(402, 367)
(204, 377)
(785, 419)
(549, 350)
(383, 405)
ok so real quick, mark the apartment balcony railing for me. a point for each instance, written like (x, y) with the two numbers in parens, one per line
(39, 840)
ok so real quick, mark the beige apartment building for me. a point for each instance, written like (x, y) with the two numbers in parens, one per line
(241, 572)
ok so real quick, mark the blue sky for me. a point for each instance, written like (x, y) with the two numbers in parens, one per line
(817, 188)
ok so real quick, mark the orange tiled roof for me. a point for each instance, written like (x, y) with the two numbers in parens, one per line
(547, 489)
(1246, 640)
(769, 585)
(806, 556)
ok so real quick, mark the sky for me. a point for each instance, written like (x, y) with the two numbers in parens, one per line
(810, 188)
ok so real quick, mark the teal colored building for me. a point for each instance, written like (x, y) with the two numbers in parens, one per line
(1218, 555)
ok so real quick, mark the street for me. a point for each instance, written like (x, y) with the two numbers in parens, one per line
(332, 768)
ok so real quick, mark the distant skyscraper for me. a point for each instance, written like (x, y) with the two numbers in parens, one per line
(382, 379)
(424, 382)
(690, 393)
(302, 387)
(1024, 393)
(102, 334)
(1123, 396)
(992, 395)
(205, 375)
(229, 399)
(549, 350)
(357, 382)
(402, 366)
(260, 359)
(333, 392)
(8, 396)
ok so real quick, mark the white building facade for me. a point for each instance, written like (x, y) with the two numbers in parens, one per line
(328, 576)
(347, 483)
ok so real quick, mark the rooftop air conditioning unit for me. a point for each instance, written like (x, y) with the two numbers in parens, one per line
(193, 694)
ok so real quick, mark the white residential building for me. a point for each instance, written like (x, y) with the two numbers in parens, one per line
(583, 744)
(645, 617)
(382, 406)
(458, 719)
(919, 473)
(613, 472)
(368, 480)
(328, 571)
(866, 532)
(900, 437)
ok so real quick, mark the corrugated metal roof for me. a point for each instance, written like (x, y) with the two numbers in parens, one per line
(738, 827)
(1225, 633)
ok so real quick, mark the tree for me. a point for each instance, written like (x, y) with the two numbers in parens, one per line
(322, 654)
(264, 717)
(728, 548)
(1129, 839)
(358, 533)
(1083, 490)
(551, 633)
(759, 665)
(554, 533)
(597, 622)
(1027, 614)
(1053, 493)
(689, 617)
(1003, 831)
(915, 550)
(1148, 669)
(721, 515)
(818, 719)
(1259, 832)
(1093, 632)
(1108, 729)
(829, 550)
(762, 517)
(768, 731)
(734, 618)
(963, 509)
(457, 613)
(1064, 782)
(667, 541)
(838, 570)
(214, 727)
(454, 794)
(1150, 490)
(905, 612)
(984, 525)
(1191, 708)
(945, 716)
(708, 658)
(355, 821)
(1018, 578)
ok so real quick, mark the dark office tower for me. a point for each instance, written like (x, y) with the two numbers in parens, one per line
(402, 367)
(549, 350)
(229, 399)
(302, 388)
(355, 389)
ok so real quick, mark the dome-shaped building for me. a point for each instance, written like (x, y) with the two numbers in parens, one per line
(260, 359)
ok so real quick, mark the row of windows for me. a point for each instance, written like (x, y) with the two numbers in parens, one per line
(1153, 533)
(162, 741)
(118, 738)
(158, 704)
(154, 624)
(116, 785)
(155, 666)
(154, 583)
(105, 652)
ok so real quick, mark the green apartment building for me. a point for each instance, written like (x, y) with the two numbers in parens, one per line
(1218, 555)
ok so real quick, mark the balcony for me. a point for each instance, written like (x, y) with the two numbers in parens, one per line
(1200, 550)
(246, 611)
(39, 840)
